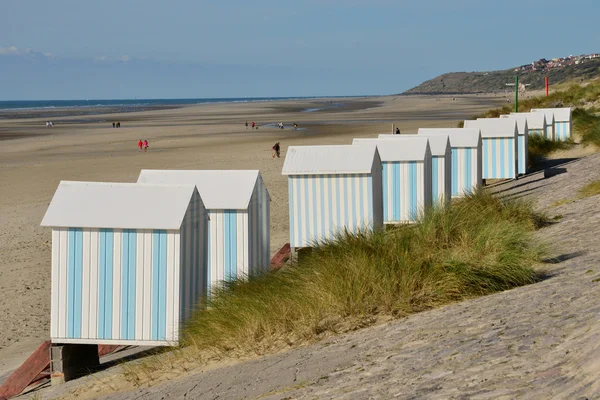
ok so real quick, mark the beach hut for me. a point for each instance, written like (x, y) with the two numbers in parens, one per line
(536, 123)
(127, 262)
(562, 121)
(406, 177)
(466, 164)
(523, 140)
(549, 117)
(238, 228)
(332, 189)
(500, 150)
(441, 164)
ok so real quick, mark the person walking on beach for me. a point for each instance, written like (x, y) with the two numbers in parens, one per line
(140, 145)
(114, 124)
(145, 145)
(295, 126)
(253, 124)
(246, 125)
(397, 131)
(276, 149)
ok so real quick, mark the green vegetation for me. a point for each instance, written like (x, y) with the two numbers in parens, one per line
(589, 190)
(477, 246)
(587, 126)
(495, 81)
(539, 147)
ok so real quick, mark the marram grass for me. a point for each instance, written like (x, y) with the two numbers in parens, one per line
(476, 246)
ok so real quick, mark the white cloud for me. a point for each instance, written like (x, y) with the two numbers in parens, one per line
(16, 51)
(124, 58)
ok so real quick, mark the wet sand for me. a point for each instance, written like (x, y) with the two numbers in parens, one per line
(33, 159)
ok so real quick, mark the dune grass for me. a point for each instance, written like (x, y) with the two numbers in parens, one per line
(587, 125)
(476, 246)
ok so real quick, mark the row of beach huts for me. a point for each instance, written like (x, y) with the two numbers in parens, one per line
(131, 261)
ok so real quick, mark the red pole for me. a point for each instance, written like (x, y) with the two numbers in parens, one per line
(546, 86)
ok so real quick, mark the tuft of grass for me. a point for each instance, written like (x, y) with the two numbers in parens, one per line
(539, 147)
(475, 246)
(587, 125)
(589, 190)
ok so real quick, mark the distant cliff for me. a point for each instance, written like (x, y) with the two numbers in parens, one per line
(495, 81)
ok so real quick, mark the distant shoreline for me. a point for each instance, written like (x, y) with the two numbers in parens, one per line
(71, 108)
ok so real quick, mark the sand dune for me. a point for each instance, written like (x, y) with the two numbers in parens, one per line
(33, 159)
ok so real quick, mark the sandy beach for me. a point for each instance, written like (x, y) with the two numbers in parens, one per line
(33, 159)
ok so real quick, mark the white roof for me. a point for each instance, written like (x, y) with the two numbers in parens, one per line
(219, 189)
(459, 137)
(342, 159)
(520, 119)
(412, 148)
(118, 205)
(547, 112)
(535, 120)
(560, 114)
(438, 144)
(494, 127)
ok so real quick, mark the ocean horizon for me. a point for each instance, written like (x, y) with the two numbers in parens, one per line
(17, 105)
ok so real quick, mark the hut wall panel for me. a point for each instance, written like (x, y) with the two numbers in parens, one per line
(438, 179)
(177, 322)
(405, 190)
(322, 206)
(466, 170)
(550, 132)
(111, 286)
(257, 244)
(188, 249)
(562, 130)
(523, 156)
(116, 285)
(499, 158)
(375, 195)
(146, 303)
(228, 245)
(441, 185)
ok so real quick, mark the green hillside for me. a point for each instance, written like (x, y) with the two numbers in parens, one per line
(494, 81)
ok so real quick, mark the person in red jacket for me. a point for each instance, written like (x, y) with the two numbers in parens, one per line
(140, 144)
(253, 124)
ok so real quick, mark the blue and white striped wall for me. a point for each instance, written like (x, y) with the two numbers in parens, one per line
(125, 286)
(441, 178)
(239, 240)
(523, 158)
(321, 206)
(466, 170)
(550, 131)
(562, 130)
(406, 190)
(499, 158)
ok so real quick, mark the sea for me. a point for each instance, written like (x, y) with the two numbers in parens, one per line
(132, 103)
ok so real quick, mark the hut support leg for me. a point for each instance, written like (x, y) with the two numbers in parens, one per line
(70, 361)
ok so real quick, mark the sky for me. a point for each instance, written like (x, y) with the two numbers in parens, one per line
(114, 49)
